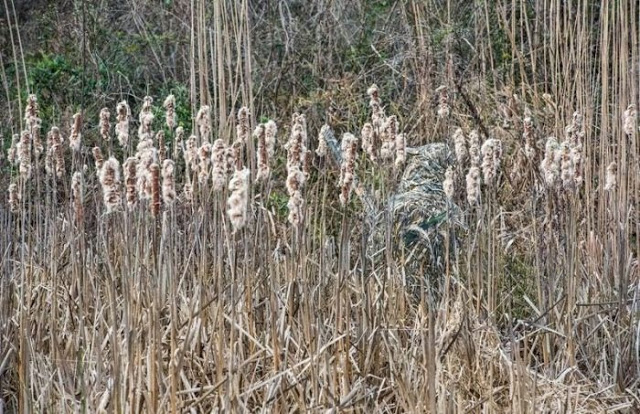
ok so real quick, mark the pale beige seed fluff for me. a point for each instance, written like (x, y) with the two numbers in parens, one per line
(460, 147)
(178, 142)
(237, 203)
(218, 167)
(491, 159)
(131, 181)
(162, 149)
(122, 126)
(473, 186)
(105, 124)
(474, 148)
(448, 183)
(389, 132)
(31, 113)
(145, 129)
(262, 153)
(168, 182)
(550, 166)
(98, 158)
(242, 127)
(295, 147)
(170, 111)
(203, 121)
(271, 132)
(377, 111)
(567, 167)
(401, 144)
(187, 193)
(611, 182)
(530, 149)
(14, 198)
(321, 151)
(110, 181)
(24, 154)
(37, 141)
(349, 147)
(75, 137)
(368, 142)
(77, 195)
(204, 157)
(191, 153)
(629, 120)
(58, 155)
(146, 155)
(54, 149)
(295, 205)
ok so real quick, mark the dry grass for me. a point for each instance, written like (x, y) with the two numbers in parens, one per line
(240, 272)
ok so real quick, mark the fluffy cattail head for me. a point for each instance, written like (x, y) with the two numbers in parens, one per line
(474, 148)
(25, 155)
(14, 198)
(98, 158)
(13, 155)
(629, 120)
(204, 156)
(191, 153)
(122, 127)
(611, 182)
(219, 167)
(473, 186)
(77, 195)
(242, 128)
(550, 166)
(460, 147)
(448, 183)
(237, 204)
(321, 151)
(31, 113)
(270, 131)
(347, 169)
(170, 111)
(75, 138)
(178, 142)
(296, 209)
(105, 125)
(203, 121)
(154, 176)
(168, 182)
(401, 143)
(162, 149)
(110, 181)
(368, 141)
(491, 159)
(130, 182)
(262, 154)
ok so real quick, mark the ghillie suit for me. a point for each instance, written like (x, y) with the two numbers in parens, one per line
(413, 225)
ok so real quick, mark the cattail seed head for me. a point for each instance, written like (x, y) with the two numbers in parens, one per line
(448, 183)
(262, 154)
(187, 193)
(321, 151)
(629, 120)
(390, 130)
(162, 149)
(13, 155)
(491, 159)
(191, 152)
(75, 138)
(295, 206)
(368, 145)
(204, 156)
(14, 198)
(219, 165)
(203, 121)
(550, 166)
(24, 154)
(105, 125)
(460, 147)
(611, 182)
(242, 128)
(168, 183)
(474, 148)
(347, 169)
(98, 158)
(77, 196)
(130, 182)
(237, 204)
(170, 111)
(271, 131)
(110, 181)
(31, 115)
(178, 142)
(154, 176)
(400, 144)
(122, 127)
(473, 186)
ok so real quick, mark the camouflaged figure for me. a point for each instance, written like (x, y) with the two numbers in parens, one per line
(421, 216)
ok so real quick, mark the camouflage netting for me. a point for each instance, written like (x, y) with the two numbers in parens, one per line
(416, 221)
